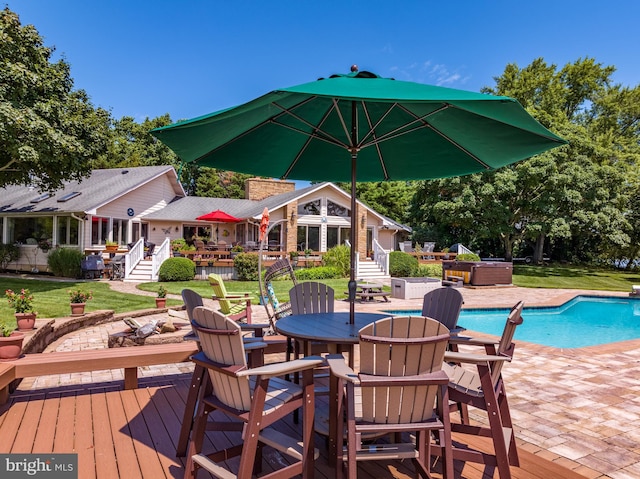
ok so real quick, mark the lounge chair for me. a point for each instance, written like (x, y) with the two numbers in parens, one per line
(400, 388)
(252, 399)
(237, 306)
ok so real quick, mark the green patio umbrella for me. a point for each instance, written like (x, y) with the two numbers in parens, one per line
(361, 127)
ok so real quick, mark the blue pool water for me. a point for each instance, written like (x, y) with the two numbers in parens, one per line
(583, 321)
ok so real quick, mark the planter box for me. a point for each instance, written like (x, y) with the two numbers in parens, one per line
(413, 288)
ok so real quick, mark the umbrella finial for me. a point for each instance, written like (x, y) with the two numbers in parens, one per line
(354, 68)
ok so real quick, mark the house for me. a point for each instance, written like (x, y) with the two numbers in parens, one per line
(129, 205)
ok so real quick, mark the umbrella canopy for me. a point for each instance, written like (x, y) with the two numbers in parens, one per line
(218, 216)
(361, 127)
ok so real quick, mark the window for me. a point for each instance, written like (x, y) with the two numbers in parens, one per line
(334, 209)
(337, 235)
(68, 196)
(309, 208)
(67, 231)
(30, 229)
(193, 232)
(40, 198)
(119, 233)
(99, 230)
(308, 238)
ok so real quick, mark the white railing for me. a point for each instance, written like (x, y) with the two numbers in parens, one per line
(158, 257)
(133, 257)
(381, 257)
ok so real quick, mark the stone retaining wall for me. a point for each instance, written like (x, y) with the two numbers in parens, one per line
(49, 330)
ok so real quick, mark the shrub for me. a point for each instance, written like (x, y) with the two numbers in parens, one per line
(429, 270)
(177, 269)
(338, 257)
(246, 266)
(66, 262)
(321, 272)
(178, 244)
(402, 265)
(467, 257)
(8, 253)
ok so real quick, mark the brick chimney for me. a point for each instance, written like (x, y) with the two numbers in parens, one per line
(260, 188)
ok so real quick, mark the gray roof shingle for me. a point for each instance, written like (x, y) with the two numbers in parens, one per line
(99, 188)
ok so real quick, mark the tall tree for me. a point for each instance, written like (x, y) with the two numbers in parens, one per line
(48, 131)
(578, 191)
(390, 198)
(216, 183)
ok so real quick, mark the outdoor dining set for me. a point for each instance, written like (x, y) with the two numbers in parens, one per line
(374, 385)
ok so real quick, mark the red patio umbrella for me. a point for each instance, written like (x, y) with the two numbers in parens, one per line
(219, 216)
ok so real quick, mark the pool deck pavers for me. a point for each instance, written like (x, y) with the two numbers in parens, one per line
(580, 407)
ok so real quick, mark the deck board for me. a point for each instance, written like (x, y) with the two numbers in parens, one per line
(133, 433)
(84, 436)
(104, 454)
(123, 443)
(47, 425)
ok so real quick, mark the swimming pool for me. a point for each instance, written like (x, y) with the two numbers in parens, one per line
(583, 321)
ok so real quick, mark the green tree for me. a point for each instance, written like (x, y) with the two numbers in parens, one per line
(390, 198)
(48, 131)
(216, 183)
(576, 195)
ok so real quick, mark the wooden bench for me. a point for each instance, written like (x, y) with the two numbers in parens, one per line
(129, 359)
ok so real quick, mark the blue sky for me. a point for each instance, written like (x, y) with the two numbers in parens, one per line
(144, 58)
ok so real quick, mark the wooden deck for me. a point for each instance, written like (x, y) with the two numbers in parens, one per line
(133, 433)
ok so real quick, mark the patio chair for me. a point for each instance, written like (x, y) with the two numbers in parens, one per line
(236, 306)
(444, 304)
(485, 390)
(199, 244)
(400, 389)
(307, 298)
(250, 400)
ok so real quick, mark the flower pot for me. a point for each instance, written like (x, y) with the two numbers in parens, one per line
(111, 247)
(11, 346)
(77, 309)
(161, 303)
(25, 321)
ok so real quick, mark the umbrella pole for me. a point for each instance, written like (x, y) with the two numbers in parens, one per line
(353, 238)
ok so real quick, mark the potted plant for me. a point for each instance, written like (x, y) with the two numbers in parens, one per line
(308, 252)
(111, 246)
(236, 250)
(78, 300)
(293, 256)
(22, 304)
(178, 245)
(161, 299)
(10, 343)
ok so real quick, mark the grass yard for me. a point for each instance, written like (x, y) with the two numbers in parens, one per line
(574, 277)
(51, 298)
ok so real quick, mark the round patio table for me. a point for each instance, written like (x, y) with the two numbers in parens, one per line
(333, 328)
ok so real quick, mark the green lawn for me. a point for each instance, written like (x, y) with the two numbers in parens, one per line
(574, 277)
(52, 299)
